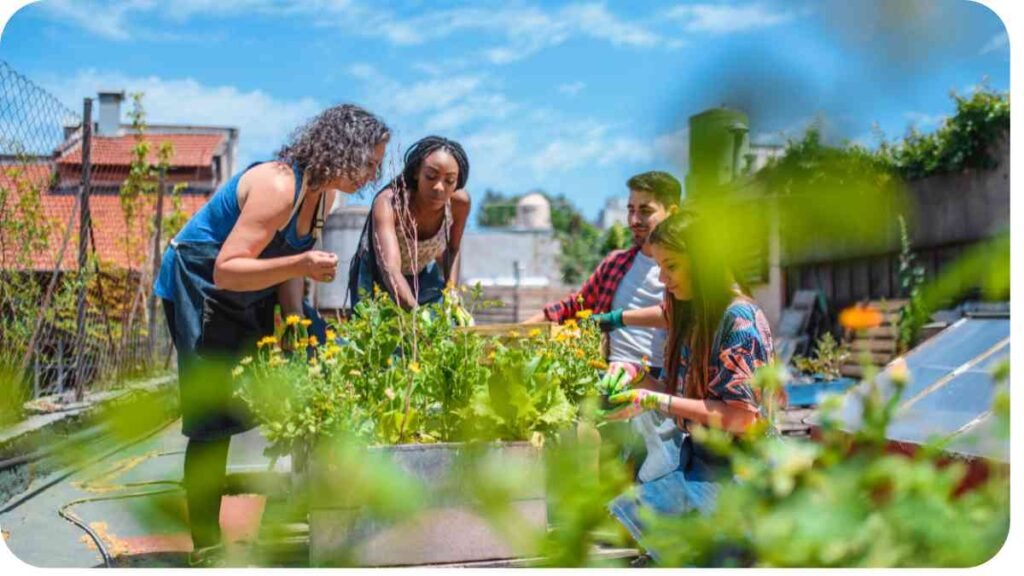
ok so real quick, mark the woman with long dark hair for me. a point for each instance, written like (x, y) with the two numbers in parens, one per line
(412, 236)
(246, 250)
(718, 337)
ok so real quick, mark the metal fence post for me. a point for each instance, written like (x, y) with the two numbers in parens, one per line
(84, 225)
(151, 300)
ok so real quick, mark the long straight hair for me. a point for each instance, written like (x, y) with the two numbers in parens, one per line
(695, 321)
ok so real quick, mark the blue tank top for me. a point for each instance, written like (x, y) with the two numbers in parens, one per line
(215, 220)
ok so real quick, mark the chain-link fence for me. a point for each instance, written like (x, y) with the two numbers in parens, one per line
(77, 243)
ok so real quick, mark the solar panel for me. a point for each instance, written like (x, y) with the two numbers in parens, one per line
(983, 440)
(960, 398)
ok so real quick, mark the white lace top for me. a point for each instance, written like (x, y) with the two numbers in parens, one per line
(426, 250)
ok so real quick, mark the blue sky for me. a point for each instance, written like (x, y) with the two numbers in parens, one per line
(571, 98)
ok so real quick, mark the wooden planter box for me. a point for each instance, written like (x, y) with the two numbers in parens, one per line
(448, 531)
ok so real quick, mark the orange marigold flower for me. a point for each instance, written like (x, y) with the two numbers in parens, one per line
(860, 318)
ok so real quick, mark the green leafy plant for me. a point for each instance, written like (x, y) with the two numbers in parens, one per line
(911, 277)
(389, 376)
(828, 358)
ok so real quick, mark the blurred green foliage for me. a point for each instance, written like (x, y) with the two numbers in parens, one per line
(964, 140)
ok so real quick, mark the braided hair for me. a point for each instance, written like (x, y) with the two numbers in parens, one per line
(419, 151)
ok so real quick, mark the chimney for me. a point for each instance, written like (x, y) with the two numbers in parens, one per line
(110, 113)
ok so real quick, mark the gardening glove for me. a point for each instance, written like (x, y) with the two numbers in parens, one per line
(619, 377)
(630, 403)
(609, 321)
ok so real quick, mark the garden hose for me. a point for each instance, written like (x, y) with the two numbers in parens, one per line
(64, 512)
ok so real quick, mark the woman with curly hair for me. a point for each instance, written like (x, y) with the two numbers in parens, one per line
(247, 249)
(411, 239)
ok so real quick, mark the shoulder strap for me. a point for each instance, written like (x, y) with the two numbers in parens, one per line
(300, 193)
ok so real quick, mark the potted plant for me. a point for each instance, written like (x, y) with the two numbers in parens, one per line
(423, 399)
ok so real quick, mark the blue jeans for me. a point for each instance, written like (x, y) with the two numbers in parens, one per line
(692, 487)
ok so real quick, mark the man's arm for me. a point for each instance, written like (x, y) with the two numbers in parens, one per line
(650, 317)
(562, 310)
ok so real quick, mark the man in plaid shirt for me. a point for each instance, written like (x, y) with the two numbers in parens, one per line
(626, 281)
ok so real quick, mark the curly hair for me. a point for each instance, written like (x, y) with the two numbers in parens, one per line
(338, 142)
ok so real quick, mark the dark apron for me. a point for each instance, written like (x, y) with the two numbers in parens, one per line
(214, 328)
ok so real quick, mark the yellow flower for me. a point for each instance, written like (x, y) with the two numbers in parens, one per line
(237, 371)
(512, 334)
(584, 314)
(492, 355)
(534, 333)
(313, 341)
(571, 324)
(580, 353)
(598, 364)
(331, 335)
(414, 367)
(246, 361)
(390, 360)
(306, 322)
(291, 320)
(860, 318)
(267, 341)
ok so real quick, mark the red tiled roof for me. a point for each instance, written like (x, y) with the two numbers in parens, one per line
(108, 224)
(190, 150)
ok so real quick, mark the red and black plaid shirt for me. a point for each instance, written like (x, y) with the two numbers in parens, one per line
(597, 292)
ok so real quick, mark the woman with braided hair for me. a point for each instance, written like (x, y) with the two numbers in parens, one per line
(411, 239)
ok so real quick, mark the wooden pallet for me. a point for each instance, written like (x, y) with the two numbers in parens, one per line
(879, 343)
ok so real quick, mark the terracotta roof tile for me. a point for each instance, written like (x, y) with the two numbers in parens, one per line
(190, 150)
(108, 223)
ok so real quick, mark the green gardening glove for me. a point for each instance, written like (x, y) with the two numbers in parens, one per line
(609, 321)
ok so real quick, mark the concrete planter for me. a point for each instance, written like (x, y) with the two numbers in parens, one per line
(448, 530)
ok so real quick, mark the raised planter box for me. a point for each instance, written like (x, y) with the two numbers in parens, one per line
(447, 531)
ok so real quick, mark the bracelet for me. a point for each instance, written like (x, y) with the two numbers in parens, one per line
(665, 403)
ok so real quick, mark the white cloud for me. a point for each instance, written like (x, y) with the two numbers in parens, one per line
(588, 142)
(728, 18)
(264, 122)
(572, 88)
(924, 121)
(674, 146)
(998, 42)
(101, 19)
(439, 104)
(521, 29)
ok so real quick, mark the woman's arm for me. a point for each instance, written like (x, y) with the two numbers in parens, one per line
(714, 413)
(389, 256)
(289, 296)
(460, 214)
(267, 206)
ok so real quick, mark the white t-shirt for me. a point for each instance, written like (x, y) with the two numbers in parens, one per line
(640, 288)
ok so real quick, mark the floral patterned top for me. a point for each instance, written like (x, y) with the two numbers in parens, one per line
(744, 343)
